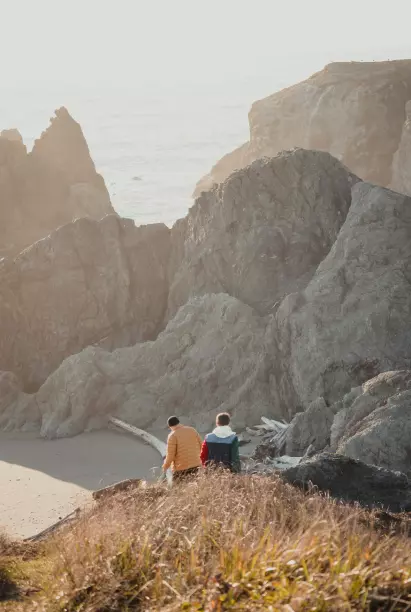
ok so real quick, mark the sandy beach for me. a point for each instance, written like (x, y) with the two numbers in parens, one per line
(43, 480)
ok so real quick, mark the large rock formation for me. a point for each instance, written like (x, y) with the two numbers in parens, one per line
(257, 238)
(214, 355)
(374, 423)
(371, 423)
(310, 428)
(352, 320)
(355, 111)
(353, 481)
(88, 282)
(262, 233)
(54, 184)
(219, 277)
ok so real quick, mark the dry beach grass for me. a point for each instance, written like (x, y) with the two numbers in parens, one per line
(221, 542)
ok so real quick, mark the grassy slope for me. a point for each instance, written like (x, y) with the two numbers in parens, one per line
(219, 543)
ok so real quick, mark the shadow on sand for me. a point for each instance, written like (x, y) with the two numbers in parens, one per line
(91, 460)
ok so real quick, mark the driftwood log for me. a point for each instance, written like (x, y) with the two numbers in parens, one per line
(159, 445)
(118, 487)
(66, 520)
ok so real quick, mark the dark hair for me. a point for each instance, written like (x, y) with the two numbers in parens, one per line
(173, 421)
(223, 418)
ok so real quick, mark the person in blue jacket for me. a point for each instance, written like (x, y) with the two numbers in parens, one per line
(221, 447)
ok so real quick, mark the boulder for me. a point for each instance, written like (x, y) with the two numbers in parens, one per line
(375, 424)
(213, 356)
(52, 185)
(310, 428)
(353, 481)
(353, 110)
(352, 320)
(262, 233)
(88, 282)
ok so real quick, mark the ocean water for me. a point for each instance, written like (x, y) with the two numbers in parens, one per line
(150, 144)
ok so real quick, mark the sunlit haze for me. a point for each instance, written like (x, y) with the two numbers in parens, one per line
(133, 41)
(162, 88)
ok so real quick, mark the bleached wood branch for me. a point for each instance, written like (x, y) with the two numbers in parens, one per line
(159, 445)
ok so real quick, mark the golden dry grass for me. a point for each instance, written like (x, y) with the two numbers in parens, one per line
(221, 542)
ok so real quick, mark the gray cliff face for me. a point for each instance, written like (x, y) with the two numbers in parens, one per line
(371, 423)
(88, 282)
(355, 111)
(263, 232)
(351, 321)
(212, 356)
(54, 184)
(282, 292)
(374, 425)
(111, 284)
(310, 428)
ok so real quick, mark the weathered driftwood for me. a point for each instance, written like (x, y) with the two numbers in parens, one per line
(270, 466)
(273, 435)
(270, 424)
(160, 446)
(66, 520)
(118, 487)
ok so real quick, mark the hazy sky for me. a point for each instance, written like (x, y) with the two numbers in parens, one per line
(132, 41)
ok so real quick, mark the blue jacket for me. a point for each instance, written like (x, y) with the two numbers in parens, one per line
(221, 450)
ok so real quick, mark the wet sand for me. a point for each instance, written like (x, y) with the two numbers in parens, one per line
(43, 480)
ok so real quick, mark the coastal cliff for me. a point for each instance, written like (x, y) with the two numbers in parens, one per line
(52, 185)
(355, 110)
(284, 292)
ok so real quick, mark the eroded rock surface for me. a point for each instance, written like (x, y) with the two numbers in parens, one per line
(310, 428)
(352, 320)
(54, 184)
(18, 410)
(88, 282)
(355, 111)
(262, 233)
(212, 356)
(375, 424)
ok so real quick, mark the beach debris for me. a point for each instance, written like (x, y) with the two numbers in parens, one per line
(118, 487)
(66, 520)
(159, 445)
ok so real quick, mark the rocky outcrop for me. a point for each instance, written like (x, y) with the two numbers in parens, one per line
(401, 168)
(18, 410)
(355, 111)
(353, 481)
(310, 428)
(54, 184)
(257, 238)
(374, 425)
(371, 423)
(273, 296)
(351, 322)
(212, 356)
(88, 282)
(262, 233)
